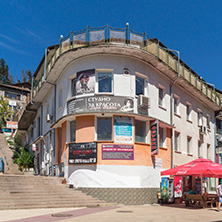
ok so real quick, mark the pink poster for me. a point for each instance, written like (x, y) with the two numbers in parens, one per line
(177, 186)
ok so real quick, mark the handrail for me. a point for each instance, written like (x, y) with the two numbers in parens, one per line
(126, 36)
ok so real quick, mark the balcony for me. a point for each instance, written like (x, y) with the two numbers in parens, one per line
(124, 36)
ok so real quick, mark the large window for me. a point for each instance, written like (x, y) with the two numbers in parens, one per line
(140, 131)
(200, 118)
(188, 111)
(104, 128)
(105, 82)
(140, 83)
(73, 131)
(161, 137)
(73, 87)
(176, 104)
(12, 95)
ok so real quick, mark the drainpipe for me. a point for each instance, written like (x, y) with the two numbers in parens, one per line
(171, 99)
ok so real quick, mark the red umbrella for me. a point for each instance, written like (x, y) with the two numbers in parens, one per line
(199, 167)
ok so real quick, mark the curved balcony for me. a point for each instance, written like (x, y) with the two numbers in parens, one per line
(127, 37)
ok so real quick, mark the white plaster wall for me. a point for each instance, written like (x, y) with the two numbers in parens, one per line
(115, 176)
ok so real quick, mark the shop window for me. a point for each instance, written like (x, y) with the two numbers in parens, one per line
(162, 137)
(104, 128)
(140, 131)
(140, 84)
(105, 82)
(189, 145)
(176, 141)
(73, 131)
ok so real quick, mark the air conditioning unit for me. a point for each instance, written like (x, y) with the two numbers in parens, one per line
(143, 101)
(202, 129)
(48, 118)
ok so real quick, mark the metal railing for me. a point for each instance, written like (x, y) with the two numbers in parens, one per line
(109, 35)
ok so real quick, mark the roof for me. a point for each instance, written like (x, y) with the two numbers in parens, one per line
(15, 87)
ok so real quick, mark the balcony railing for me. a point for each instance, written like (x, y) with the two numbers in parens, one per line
(126, 36)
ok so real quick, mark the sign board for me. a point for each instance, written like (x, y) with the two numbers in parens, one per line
(117, 152)
(101, 104)
(82, 153)
(219, 150)
(11, 125)
(12, 103)
(123, 129)
(154, 137)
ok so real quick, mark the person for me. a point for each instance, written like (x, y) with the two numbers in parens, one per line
(193, 191)
(219, 194)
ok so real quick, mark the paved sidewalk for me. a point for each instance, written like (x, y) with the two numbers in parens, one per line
(148, 213)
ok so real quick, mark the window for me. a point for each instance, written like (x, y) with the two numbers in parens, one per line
(208, 122)
(200, 118)
(73, 131)
(208, 151)
(140, 83)
(161, 137)
(199, 148)
(176, 104)
(73, 87)
(105, 82)
(188, 111)
(161, 95)
(140, 131)
(189, 145)
(60, 98)
(104, 128)
(176, 141)
(12, 95)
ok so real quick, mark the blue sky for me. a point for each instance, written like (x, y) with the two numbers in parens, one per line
(194, 28)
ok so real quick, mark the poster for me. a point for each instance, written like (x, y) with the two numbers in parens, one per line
(198, 185)
(85, 82)
(82, 153)
(154, 137)
(117, 152)
(177, 186)
(123, 129)
(164, 187)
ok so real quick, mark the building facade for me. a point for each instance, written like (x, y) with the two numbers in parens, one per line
(113, 110)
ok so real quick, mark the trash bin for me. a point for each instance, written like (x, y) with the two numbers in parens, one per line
(1, 165)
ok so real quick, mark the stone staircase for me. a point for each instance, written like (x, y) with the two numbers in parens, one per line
(28, 191)
(6, 153)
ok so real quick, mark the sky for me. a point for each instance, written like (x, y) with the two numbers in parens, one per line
(194, 28)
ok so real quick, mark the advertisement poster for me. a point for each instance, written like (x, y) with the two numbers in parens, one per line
(85, 82)
(100, 104)
(11, 125)
(164, 187)
(198, 185)
(177, 186)
(154, 137)
(82, 153)
(117, 152)
(123, 129)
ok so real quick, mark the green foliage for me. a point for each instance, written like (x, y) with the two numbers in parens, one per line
(4, 74)
(24, 159)
(5, 112)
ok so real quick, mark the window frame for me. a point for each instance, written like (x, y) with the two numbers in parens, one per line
(176, 104)
(189, 144)
(146, 136)
(176, 141)
(60, 98)
(104, 71)
(188, 111)
(70, 129)
(161, 100)
(96, 127)
(199, 117)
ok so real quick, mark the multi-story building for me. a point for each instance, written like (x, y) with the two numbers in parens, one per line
(112, 108)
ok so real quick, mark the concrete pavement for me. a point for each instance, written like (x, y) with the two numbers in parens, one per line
(148, 213)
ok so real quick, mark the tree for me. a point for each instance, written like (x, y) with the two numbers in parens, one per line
(4, 74)
(5, 112)
(29, 76)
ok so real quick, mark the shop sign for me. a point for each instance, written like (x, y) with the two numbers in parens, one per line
(117, 152)
(123, 129)
(85, 82)
(154, 137)
(82, 153)
(11, 125)
(219, 150)
(101, 104)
